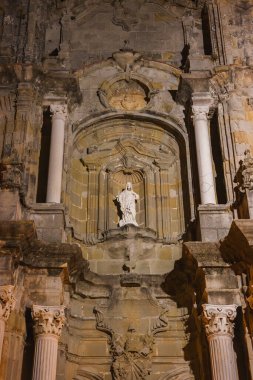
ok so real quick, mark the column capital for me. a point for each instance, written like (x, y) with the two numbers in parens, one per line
(218, 319)
(48, 319)
(59, 111)
(201, 103)
(7, 301)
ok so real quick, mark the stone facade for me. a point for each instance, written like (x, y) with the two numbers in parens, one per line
(94, 95)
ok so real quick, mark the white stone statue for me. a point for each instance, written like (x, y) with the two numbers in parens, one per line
(127, 200)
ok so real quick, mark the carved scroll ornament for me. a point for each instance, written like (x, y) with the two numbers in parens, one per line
(218, 319)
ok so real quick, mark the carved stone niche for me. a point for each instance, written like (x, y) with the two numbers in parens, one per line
(125, 92)
(100, 172)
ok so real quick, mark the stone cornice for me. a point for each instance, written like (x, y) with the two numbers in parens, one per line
(48, 319)
(20, 242)
(7, 301)
(218, 319)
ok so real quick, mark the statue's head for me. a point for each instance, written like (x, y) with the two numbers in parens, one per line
(129, 186)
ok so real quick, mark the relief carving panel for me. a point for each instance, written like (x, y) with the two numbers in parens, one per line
(128, 96)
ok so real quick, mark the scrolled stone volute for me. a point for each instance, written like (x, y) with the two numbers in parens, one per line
(48, 319)
(218, 319)
(7, 301)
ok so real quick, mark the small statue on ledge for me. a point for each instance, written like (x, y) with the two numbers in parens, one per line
(127, 200)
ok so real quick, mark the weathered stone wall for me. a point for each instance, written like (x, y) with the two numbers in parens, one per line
(127, 83)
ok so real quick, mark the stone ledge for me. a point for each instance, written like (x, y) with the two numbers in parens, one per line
(130, 231)
(238, 245)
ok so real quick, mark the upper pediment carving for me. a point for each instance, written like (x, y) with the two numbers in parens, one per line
(126, 12)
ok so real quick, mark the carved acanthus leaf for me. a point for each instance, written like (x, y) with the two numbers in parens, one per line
(7, 301)
(101, 324)
(161, 323)
(218, 319)
(59, 111)
(48, 319)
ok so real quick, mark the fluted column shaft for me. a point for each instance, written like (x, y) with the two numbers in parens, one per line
(45, 359)
(49, 321)
(200, 109)
(7, 304)
(56, 153)
(220, 332)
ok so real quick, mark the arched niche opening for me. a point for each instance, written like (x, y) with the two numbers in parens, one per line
(113, 151)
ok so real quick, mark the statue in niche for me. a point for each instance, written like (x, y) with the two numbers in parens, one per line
(127, 200)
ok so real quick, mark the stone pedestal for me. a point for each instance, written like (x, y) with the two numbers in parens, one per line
(199, 63)
(201, 103)
(49, 321)
(215, 221)
(7, 304)
(56, 153)
(220, 332)
(49, 221)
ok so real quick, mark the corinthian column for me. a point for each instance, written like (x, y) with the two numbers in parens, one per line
(49, 321)
(7, 304)
(56, 153)
(201, 103)
(219, 326)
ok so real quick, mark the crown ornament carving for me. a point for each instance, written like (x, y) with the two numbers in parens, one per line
(7, 301)
(48, 319)
(218, 319)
